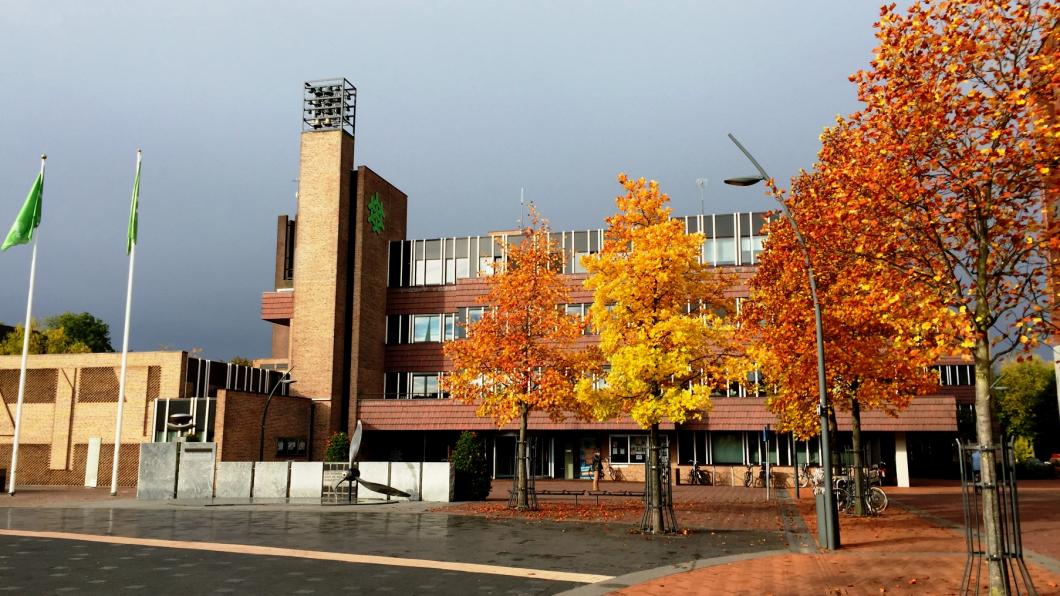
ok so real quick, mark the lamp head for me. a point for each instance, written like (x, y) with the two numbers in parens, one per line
(744, 180)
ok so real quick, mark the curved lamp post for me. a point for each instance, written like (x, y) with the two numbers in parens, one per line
(830, 522)
(284, 380)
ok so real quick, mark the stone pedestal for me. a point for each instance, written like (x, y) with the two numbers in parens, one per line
(157, 478)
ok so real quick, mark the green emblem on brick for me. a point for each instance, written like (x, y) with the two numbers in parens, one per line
(375, 213)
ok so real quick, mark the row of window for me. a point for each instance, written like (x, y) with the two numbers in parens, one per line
(419, 328)
(412, 385)
(406, 329)
(742, 448)
(956, 374)
(730, 239)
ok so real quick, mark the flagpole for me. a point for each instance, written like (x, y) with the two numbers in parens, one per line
(25, 349)
(124, 356)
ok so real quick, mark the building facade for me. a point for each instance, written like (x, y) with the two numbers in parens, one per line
(360, 315)
(70, 406)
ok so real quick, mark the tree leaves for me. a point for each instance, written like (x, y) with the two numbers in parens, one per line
(654, 305)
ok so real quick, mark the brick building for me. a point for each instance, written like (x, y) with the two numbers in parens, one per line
(70, 403)
(360, 314)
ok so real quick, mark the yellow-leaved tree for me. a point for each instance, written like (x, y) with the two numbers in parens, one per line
(521, 356)
(656, 307)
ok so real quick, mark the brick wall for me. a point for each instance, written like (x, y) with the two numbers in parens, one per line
(71, 398)
(318, 324)
(238, 424)
(371, 253)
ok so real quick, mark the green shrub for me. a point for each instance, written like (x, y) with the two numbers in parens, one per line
(338, 447)
(472, 473)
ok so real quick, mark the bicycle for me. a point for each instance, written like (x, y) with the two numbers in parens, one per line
(750, 479)
(612, 472)
(698, 476)
(808, 474)
(875, 499)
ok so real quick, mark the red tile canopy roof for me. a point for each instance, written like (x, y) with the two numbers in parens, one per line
(929, 413)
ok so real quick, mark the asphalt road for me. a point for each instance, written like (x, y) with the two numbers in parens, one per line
(53, 565)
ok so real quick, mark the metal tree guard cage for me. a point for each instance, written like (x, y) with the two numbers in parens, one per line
(531, 488)
(972, 489)
(666, 497)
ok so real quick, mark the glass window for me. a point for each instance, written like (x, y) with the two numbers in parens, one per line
(574, 310)
(425, 385)
(726, 251)
(475, 313)
(708, 251)
(727, 447)
(578, 266)
(420, 270)
(450, 327)
(619, 449)
(463, 268)
(638, 449)
(426, 328)
(450, 271)
(433, 274)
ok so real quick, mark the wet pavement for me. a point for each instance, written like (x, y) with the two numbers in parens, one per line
(51, 565)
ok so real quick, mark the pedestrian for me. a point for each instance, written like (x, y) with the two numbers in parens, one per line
(597, 469)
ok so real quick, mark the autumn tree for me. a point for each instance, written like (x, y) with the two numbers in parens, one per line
(656, 307)
(949, 182)
(521, 356)
(881, 334)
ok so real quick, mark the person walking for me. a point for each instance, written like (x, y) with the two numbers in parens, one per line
(597, 469)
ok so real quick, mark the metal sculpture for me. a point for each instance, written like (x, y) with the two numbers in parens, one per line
(353, 475)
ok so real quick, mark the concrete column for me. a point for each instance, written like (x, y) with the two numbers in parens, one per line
(901, 460)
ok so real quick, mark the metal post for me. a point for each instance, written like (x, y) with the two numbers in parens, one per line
(831, 527)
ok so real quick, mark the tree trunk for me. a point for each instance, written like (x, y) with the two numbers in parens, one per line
(859, 475)
(654, 484)
(984, 427)
(523, 503)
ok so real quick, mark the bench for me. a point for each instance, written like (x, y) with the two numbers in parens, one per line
(615, 493)
(552, 493)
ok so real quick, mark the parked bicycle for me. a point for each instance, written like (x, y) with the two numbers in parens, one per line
(697, 475)
(875, 499)
(809, 474)
(613, 473)
(759, 479)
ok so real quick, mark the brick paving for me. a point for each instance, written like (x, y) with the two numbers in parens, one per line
(696, 507)
(904, 550)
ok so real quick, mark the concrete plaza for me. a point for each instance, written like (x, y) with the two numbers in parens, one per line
(74, 540)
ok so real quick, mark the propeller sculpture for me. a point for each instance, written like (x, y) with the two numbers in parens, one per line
(353, 475)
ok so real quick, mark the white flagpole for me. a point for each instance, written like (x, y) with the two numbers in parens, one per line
(25, 348)
(124, 359)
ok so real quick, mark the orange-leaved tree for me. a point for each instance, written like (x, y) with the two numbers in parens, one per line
(656, 307)
(522, 355)
(951, 179)
(881, 332)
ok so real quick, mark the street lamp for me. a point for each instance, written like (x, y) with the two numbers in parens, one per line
(830, 521)
(284, 380)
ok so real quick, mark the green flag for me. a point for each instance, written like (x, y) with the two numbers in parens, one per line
(132, 210)
(28, 217)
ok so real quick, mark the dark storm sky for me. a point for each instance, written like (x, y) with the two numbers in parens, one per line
(461, 104)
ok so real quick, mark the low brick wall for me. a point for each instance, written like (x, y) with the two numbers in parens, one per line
(238, 427)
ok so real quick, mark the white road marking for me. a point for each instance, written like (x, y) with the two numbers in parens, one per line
(248, 549)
